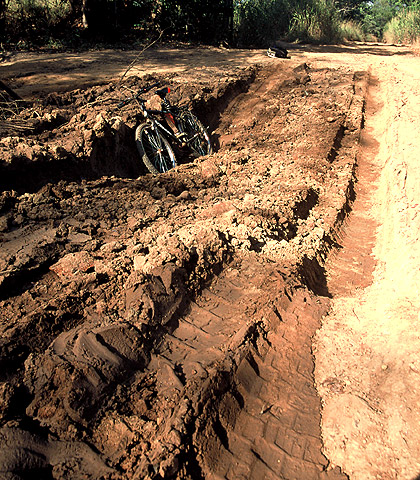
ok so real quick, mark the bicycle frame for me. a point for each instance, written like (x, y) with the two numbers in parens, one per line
(156, 122)
(172, 124)
(148, 115)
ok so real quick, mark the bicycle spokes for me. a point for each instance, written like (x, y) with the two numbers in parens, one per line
(155, 150)
(198, 138)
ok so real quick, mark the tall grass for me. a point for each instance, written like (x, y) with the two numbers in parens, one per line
(405, 27)
(317, 21)
(259, 22)
(351, 30)
(35, 21)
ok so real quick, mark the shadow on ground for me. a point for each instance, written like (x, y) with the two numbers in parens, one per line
(354, 48)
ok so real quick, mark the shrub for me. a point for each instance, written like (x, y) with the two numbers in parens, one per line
(260, 22)
(318, 21)
(404, 27)
(34, 20)
(351, 30)
(376, 14)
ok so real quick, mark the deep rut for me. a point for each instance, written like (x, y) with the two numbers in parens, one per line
(351, 264)
(267, 423)
(166, 382)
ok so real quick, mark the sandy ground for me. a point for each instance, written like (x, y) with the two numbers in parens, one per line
(367, 349)
(367, 361)
(32, 75)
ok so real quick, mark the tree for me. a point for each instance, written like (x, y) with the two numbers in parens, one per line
(352, 9)
(377, 14)
(2, 21)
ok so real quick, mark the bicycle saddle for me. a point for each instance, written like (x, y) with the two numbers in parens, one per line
(163, 92)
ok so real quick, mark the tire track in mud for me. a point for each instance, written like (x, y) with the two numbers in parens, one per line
(228, 389)
(268, 425)
(265, 422)
(246, 340)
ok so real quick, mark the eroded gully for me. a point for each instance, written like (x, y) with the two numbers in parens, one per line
(366, 352)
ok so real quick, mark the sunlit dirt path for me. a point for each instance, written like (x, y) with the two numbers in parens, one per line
(367, 351)
(242, 402)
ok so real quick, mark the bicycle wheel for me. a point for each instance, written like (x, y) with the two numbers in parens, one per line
(198, 138)
(154, 149)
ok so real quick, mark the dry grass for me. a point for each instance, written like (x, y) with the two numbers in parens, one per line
(351, 30)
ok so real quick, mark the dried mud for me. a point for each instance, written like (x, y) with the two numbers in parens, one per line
(160, 327)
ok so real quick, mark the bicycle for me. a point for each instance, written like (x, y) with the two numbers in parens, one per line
(178, 124)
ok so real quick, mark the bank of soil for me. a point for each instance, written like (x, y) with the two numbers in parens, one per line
(161, 326)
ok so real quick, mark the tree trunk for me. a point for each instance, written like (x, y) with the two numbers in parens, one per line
(2, 20)
(11, 93)
(85, 13)
(98, 17)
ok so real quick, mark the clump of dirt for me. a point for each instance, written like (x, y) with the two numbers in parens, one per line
(83, 133)
(98, 274)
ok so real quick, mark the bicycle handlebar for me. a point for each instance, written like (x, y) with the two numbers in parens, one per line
(124, 102)
(147, 88)
(142, 90)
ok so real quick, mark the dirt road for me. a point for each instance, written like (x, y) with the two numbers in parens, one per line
(367, 360)
(248, 315)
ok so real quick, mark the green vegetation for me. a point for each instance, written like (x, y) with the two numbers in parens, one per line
(318, 21)
(352, 30)
(377, 14)
(405, 26)
(257, 23)
(30, 20)
(72, 22)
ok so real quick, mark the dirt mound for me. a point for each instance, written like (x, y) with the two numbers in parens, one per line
(82, 134)
(130, 307)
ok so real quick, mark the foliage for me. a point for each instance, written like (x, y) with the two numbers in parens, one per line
(198, 20)
(260, 22)
(405, 26)
(377, 14)
(34, 19)
(351, 30)
(351, 9)
(257, 23)
(318, 21)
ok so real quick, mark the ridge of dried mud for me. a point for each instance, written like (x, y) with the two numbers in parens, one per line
(138, 315)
